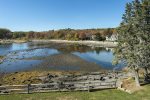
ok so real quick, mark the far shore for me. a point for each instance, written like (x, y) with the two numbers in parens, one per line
(84, 42)
(2, 41)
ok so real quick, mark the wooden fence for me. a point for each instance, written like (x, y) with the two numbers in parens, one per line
(59, 86)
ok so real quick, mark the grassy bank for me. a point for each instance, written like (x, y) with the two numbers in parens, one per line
(99, 95)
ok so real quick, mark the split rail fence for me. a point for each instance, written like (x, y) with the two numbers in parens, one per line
(56, 87)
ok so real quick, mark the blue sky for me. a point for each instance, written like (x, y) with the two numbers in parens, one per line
(42, 15)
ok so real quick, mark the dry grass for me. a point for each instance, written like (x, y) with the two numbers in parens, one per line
(129, 84)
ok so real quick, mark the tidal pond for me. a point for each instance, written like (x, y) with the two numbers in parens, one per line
(55, 56)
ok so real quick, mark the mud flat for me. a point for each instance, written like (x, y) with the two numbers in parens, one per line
(65, 62)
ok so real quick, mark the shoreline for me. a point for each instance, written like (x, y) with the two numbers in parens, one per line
(84, 42)
(12, 41)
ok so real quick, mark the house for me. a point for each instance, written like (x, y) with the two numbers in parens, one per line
(94, 37)
(113, 37)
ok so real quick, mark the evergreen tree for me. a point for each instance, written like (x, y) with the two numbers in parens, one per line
(134, 37)
(145, 34)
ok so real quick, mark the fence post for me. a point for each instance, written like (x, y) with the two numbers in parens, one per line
(29, 88)
(59, 86)
(115, 84)
(88, 86)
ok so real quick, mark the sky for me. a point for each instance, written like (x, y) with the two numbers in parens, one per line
(43, 15)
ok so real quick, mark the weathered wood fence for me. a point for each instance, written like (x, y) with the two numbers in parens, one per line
(59, 86)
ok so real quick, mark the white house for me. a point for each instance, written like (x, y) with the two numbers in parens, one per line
(113, 37)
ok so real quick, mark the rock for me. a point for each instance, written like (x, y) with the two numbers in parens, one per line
(110, 77)
(128, 91)
(50, 76)
(102, 78)
(13, 78)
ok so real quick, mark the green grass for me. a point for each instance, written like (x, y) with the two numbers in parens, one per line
(98, 95)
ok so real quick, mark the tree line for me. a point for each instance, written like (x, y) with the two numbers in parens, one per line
(64, 34)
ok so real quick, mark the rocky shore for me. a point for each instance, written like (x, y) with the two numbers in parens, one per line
(53, 77)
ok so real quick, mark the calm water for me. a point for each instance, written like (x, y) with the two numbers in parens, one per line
(18, 56)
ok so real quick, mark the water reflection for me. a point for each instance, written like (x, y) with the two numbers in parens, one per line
(5, 49)
(17, 53)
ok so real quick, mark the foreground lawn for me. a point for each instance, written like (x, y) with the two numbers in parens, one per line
(98, 95)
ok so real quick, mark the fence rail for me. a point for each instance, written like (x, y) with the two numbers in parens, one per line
(59, 86)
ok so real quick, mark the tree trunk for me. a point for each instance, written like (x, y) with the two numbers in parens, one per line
(146, 71)
(147, 78)
(136, 78)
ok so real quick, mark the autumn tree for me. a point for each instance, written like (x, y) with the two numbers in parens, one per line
(82, 36)
(18, 35)
(108, 32)
(30, 34)
(99, 37)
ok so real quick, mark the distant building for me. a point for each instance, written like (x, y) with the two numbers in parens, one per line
(113, 37)
(94, 37)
